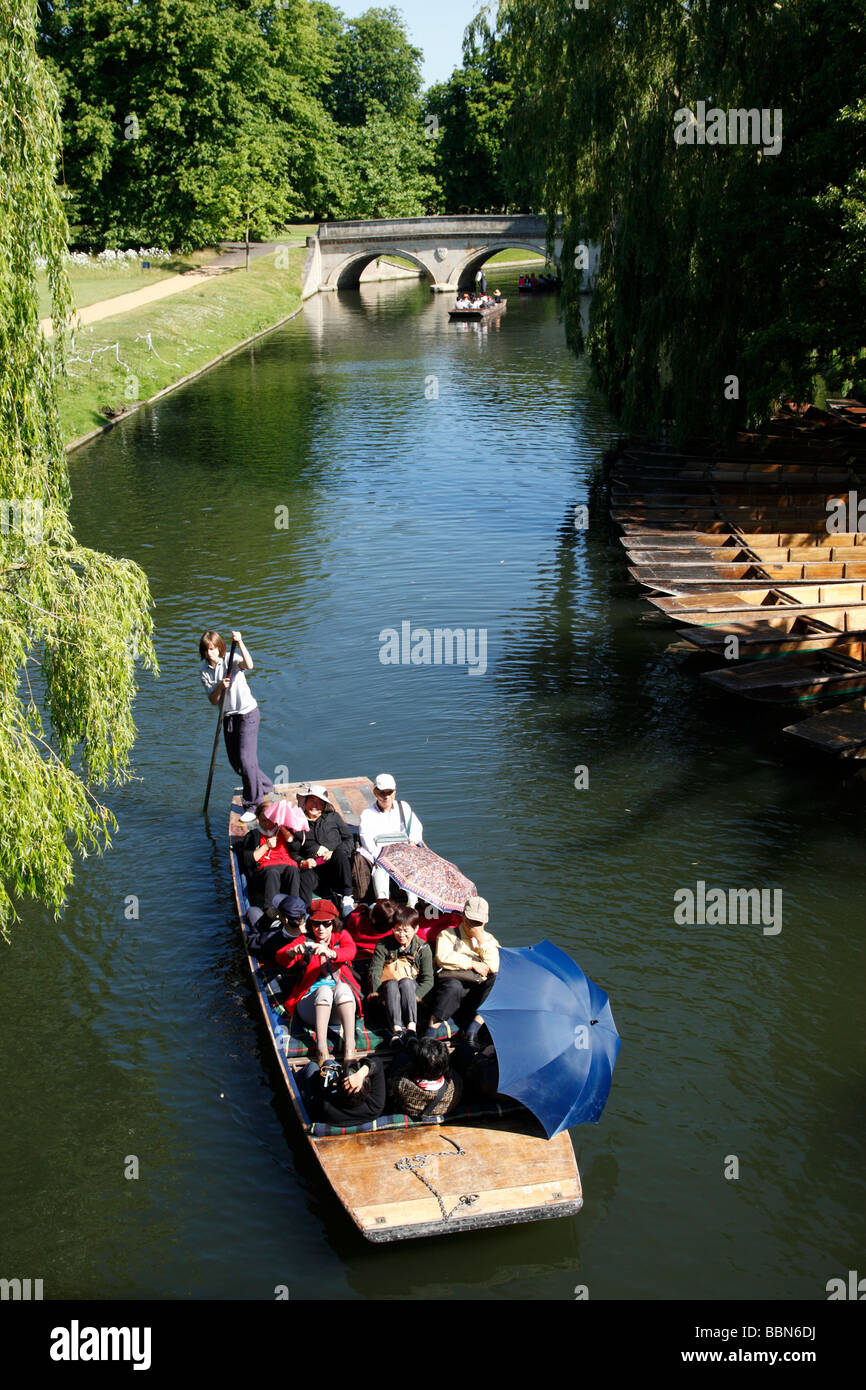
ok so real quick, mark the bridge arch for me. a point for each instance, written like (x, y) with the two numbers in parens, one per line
(347, 275)
(463, 277)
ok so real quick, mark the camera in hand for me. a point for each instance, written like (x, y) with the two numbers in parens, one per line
(332, 1076)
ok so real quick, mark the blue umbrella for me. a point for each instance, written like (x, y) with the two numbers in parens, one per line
(555, 1038)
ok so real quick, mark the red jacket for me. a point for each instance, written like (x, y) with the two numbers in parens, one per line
(365, 936)
(429, 930)
(303, 977)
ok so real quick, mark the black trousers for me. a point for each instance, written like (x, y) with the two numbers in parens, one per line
(400, 1002)
(458, 1000)
(335, 878)
(277, 878)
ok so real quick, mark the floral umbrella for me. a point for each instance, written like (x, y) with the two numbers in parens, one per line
(417, 869)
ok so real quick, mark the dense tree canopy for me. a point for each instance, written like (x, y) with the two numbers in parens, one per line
(376, 68)
(182, 116)
(389, 169)
(71, 619)
(719, 260)
(473, 110)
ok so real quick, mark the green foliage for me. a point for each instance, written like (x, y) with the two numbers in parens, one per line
(77, 616)
(376, 67)
(473, 109)
(389, 168)
(179, 115)
(715, 261)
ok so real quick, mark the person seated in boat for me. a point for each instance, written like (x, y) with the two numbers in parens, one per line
(467, 960)
(325, 851)
(432, 922)
(359, 1094)
(266, 934)
(497, 296)
(388, 822)
(478, 1070)
(323, 982)
(423, 1083)
(401, 973)
(266, 857)
(369, 924)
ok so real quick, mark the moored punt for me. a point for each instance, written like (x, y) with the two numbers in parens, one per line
(396, 1178)
(733, 539)
(841, 730)
(488, 311)
(832, 603)
(851, 411)
(675, 580)
(701, 557)
(756, 641)
(540, 286)
(816, 677)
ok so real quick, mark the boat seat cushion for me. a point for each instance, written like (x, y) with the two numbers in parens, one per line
(472, 1110)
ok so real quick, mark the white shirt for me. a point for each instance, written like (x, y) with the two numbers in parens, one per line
(375, 824)
(239, 698)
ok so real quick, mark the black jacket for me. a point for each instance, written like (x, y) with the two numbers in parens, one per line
(329, 830)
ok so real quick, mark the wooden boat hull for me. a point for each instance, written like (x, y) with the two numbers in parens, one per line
(758, 641)
(812, 678)
(485, 1172)
(841, 731)
(492, 312)
(758, 605)
(671, 579)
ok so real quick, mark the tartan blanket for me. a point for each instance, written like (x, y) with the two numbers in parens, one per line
(297, 1040)
(495, 1109)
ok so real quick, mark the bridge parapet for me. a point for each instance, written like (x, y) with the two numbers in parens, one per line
(448, 250)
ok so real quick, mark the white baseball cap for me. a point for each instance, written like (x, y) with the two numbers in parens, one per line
(385, 783)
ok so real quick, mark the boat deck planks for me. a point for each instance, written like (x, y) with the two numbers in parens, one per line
(384, 1198)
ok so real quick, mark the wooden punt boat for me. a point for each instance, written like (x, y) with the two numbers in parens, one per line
(542, 287)
(490, 311)
(674, 580)
(809, 543)
(732, 518)
(756, 641)
(494, 1167)
(841, 605)
(817, 677)
(851, 411)
(841, 730)
(699, 557)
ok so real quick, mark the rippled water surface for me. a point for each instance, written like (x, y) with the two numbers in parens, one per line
(429, 474)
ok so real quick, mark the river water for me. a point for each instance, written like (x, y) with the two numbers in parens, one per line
(370, 465)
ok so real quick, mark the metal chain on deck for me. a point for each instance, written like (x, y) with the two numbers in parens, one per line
(417, 1161)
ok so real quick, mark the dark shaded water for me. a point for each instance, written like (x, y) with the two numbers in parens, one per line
(430, 475)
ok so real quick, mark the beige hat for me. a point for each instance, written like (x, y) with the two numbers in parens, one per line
(314, 789)
(476, 910)
(385, 783)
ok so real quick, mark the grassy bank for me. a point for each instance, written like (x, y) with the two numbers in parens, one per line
(132, 356)
(95, 282)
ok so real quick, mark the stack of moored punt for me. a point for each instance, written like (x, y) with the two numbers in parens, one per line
(746, 550)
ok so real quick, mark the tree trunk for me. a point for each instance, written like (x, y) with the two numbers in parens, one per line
(247, 265)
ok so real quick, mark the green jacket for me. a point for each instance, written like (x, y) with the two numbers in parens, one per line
(419, 952)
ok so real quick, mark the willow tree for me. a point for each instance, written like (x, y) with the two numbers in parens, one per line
(732, 269)
(72, 620)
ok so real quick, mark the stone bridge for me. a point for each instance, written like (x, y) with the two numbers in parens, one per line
(448, 250)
